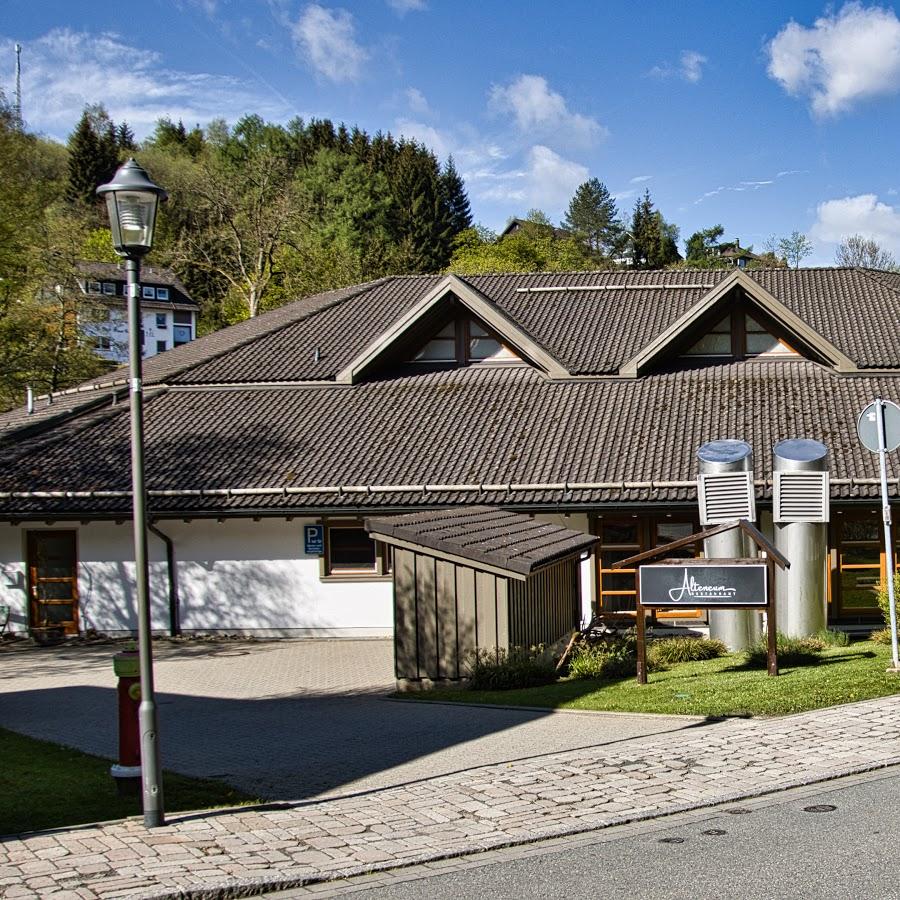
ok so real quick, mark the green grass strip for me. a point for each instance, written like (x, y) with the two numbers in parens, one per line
(715, 687)
(44, 785)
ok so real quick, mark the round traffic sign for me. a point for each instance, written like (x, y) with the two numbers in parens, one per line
(867, 426)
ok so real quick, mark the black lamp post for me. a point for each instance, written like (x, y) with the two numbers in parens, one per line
(132, 199)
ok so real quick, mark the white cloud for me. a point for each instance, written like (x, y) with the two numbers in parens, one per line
(547, 181)
(689, 68)
(404, 6)
(417, 102)
(740, 186)
(864, 214)
(327, 40)
(440, 143)
(692, 64)
(638, 179)
(538, 110)
(841, 59)
(64, 70)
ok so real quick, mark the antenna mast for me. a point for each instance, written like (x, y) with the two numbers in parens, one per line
(18, 107)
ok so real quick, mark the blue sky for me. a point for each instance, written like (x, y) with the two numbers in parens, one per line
(764, 118)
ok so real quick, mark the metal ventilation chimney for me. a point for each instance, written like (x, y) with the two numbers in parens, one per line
(800, 516)
(725, 490)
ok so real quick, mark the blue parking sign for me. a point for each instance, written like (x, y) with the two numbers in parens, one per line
(314, 540)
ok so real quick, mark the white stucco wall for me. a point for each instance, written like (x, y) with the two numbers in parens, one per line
(237, 576)
(13, 592)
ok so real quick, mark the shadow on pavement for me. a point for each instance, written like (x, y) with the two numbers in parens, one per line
(302, 746)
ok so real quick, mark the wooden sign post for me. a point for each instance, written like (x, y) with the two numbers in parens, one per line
(706, 584)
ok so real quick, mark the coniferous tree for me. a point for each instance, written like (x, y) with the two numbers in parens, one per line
(456, 199)
(592, 217)
(94, 155)
(654, 242)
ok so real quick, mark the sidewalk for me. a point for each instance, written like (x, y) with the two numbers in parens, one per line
(241, 852)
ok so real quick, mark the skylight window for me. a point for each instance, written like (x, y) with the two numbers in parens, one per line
(738, 336)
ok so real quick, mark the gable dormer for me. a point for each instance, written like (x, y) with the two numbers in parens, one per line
(738, 319)
(452, 325)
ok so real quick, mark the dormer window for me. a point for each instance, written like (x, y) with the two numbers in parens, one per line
(461, 342)
(441, 348)
(738, 336)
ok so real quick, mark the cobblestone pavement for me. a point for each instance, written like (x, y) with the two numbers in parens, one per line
(245, 851)
(288, 720)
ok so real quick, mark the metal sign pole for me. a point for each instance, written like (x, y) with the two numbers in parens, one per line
(641, 628)
(886, 516)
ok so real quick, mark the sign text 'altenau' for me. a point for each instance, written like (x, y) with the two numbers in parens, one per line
(700, 583)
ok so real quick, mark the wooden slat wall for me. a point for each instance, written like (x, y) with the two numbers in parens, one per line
(426, 616)
(405, 651)
(485, 610)
(443, 612)
(448, 647)
(544, 608)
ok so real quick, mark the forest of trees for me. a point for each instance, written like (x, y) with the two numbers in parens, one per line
(261, 214)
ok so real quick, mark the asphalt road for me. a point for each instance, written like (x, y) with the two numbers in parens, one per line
(774, 847)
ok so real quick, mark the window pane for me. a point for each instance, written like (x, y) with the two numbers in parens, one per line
(765, 343)
(861, 531)
(723, 326)
(712, 344)
(350, 548)
(149, 293)
(618, 581)
(160, 320)
(608, 557)
(475, 330)
(859, 588)
(620, 533)
(162, 293)
(438, 350)
(181, 334)
(484, 348)
(181, 317)
(751, 326)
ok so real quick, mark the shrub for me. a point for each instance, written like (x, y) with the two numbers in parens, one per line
(685, 649)
(884, 600)
(882, 636)
(503, 670)
(612, 657)
(831, 638)
(791, 651)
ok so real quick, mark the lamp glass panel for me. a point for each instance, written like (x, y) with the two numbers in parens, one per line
(132, 216)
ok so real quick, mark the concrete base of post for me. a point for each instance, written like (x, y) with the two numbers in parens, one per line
(128, 780)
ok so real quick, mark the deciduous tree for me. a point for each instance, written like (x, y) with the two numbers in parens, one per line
(857, 250)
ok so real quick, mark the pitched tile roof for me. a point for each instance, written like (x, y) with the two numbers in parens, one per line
(486, 535)
(503, 435)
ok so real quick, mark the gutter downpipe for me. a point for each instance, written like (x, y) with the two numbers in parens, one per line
(172, 574)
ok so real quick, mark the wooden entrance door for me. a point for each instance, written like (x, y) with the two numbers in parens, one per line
(53, 580)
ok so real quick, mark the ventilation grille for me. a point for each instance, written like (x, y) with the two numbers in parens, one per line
(800, 497)
(725, 496)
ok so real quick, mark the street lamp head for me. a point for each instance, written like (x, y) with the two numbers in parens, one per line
(132, 199)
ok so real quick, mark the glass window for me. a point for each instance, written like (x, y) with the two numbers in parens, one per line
(149, 293)
(160, 346)
(161, 320)
(350, 550)
(441, 348)
(181, 335)
(94, 287)
(162, 293)
(109, 288)
(182, 317)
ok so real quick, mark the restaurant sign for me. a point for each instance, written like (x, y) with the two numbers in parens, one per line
(704, 583)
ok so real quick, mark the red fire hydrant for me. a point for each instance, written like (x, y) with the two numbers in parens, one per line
(127, 771)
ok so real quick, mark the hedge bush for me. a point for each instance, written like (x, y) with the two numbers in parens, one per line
(503, 670)
(685, 649)
(791, 651)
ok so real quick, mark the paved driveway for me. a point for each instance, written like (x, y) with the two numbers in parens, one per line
(290, 719)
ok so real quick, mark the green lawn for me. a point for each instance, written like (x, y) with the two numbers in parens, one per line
(717, 687)
(43, 785)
